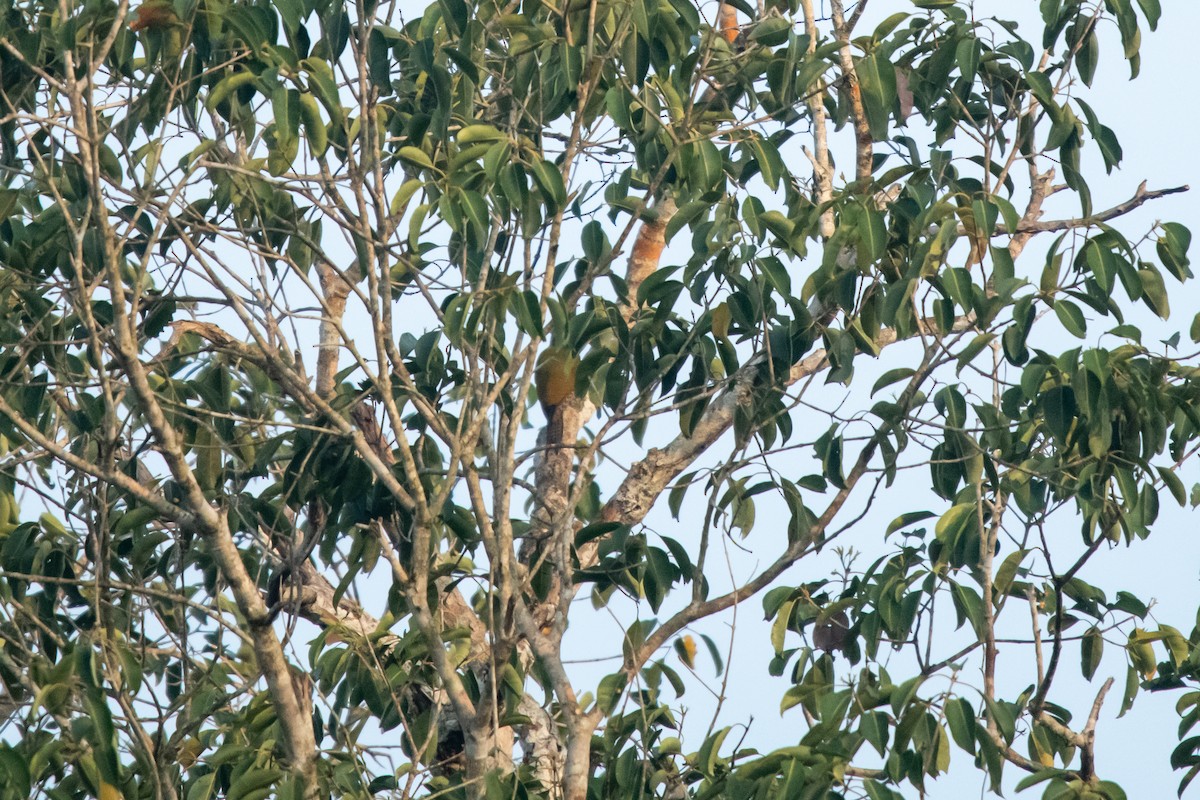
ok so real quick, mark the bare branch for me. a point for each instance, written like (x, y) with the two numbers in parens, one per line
(1141, 196)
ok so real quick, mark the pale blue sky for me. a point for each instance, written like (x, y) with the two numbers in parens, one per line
(1156, 120)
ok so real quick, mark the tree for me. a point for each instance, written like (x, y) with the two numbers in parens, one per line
(280, 282)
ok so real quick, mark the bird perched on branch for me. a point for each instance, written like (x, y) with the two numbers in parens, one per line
(727, 28)
(727, 23)
(831, 634)
(554, 379)
(154, 15)
(647, 250)
(163, 31)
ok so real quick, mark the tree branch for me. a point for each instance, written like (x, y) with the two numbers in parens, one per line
(648, 478)
(794, 551)
(864, 141)
(1142, 195)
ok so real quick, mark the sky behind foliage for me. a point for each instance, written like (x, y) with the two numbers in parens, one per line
(1156, 119)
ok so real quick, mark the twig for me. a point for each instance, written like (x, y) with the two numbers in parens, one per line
(1142, 195)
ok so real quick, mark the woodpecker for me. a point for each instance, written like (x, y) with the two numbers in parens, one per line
(554, 379)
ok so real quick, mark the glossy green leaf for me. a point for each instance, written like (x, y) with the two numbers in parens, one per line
(877, 80)
(1071, 318)
(1091, 651)
(960, 717)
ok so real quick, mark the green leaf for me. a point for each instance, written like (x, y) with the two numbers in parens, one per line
(550, 181)
(475, 211)
(202, 788)
(780, 626)
(958, 284)
(1153, 11)
(1185, 754)
(1172, 247)
(1015, 335)
(1141, 653)
(609, 692)
(771, 31)
(1008, 213)
(767, 159)
(1110, 148)
(888, 25)
(954, 522)
(415, 155)
(1071, 318)
(16, 772)
(677, 684)
(873, 235)
(1060, 409)
(714, 653)
(226, 87)
(777, 275)
(1133, 682)
(1091, 651)
(1177, 644)
(892, 376)
(877, 81)
(967, 53)
(874, 728)
(1006, 573)
(1188, 777)
(404, 194)
(687, 214)
(209, 457)
(291, 12)
(286, 106)
(960, 717)
(1039, 777)
(910, 518)
(526, 306)
(1005, 716)
(969, 606)
(635, 636)
(777, 224)
(473, 134)
(904, 694)
(253, 782)
(595, 242)
(1087, 57)
(706, 758)
(941, 761)
(1155, 292)
(1042, 89)
(322, 84)
(832, 462)
(1174, 484)
(973, 348)
(678, 493)
(707, 166)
